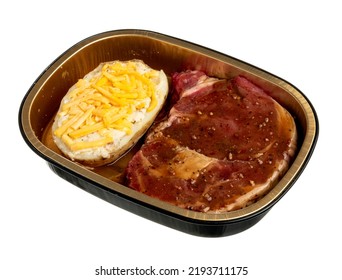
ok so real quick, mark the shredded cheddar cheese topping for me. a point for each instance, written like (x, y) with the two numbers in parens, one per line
(108, 101)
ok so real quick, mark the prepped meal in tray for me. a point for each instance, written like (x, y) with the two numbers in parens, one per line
(217, 145)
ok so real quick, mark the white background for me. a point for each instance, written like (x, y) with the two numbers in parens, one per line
(51, 229)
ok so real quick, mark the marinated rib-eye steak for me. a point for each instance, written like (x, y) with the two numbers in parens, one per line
(224, 144)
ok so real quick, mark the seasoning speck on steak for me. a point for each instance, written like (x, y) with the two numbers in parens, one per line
(224, 145)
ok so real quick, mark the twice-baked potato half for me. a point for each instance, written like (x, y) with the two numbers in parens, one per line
(105, 113)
